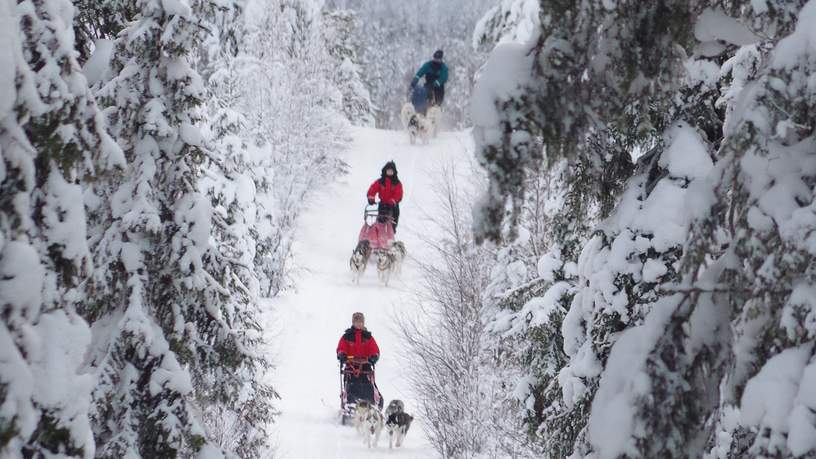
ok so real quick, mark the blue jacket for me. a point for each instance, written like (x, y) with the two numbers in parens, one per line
(432, 72)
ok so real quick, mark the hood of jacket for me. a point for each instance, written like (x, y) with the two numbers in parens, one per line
(394, 178)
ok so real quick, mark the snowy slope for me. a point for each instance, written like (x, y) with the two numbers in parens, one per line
(310, 320)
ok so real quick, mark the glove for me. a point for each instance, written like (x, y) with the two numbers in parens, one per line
(373, 359)
(341, 357)
(413, 83)
(370, 201)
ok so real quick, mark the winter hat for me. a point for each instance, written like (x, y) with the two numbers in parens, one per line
(389, 165)
(357, 316)
(438, 54)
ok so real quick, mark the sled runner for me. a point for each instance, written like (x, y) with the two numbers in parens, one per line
(378, 228)
(357, 383)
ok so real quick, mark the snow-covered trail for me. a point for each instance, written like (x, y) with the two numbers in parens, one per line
(310, 319)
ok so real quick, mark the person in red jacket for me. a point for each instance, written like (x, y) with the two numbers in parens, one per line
(389, 188)
(358, 343)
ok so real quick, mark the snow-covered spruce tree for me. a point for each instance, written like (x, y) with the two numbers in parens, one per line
(511, 21)
(339, 34)
(658, 396)
(696, 363)
(172, 333)
(754, 247)
(238, 424)
(594, 74)
(636, 251)
(52, 136)
(532, 285)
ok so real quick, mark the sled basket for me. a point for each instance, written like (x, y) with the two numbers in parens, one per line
(378, 228)
(356, 371)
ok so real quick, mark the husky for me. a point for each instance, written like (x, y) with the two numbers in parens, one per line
(385, 265)
(359, 260)
(398, 425)
(394, 406)
(398, 252)
(360, 414)
(372, 427)
(417, 125)
(434, 119)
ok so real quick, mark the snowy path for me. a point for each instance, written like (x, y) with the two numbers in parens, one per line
(311, 318)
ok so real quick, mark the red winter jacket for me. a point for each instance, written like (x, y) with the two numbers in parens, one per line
(358, 343)
(389, 194)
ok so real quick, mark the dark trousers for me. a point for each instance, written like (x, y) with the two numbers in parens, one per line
(385, 210)
(361, 388)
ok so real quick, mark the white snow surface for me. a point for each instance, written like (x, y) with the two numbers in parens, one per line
(309, 320)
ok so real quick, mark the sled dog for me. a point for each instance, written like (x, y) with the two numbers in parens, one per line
(398, 425)
(359, 260)
(394, 406)
(360, 414)
(434, 120)
(397, 250)
(417, 125)
(372, 427)
(385, 265)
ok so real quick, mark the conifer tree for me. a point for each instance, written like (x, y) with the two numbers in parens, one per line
(52, 138)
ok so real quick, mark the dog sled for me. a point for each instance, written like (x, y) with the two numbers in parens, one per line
(377, 238)
(378, 228)
(357, 383)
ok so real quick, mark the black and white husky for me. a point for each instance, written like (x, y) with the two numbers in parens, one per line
(359, 260)
(394, 406)
(372, 427)
(398, 424)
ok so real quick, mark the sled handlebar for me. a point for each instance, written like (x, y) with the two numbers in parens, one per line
(373, 211)
(355, 364)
